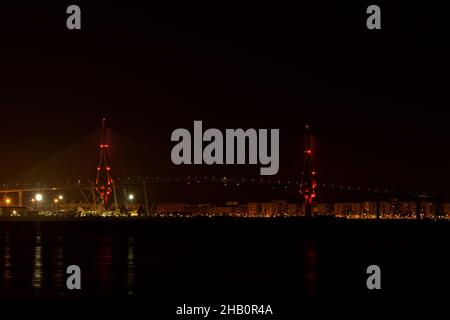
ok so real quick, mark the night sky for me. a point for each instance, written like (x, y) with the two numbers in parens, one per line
(378, 101)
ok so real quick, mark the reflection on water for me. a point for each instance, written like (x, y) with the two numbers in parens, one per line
(130, 267)
(203, 258)
(7, 276)
(311, 270)
(58, 271)
(110, 265)
(37, 263)
(104, 262)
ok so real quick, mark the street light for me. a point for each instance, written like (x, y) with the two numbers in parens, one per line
(56, 200)
(60, 197)
(39, 197)
(8, 201)
(130, 196)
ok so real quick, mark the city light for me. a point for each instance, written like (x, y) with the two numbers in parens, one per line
(130, 196)
(60, 197)
(8, 201)
(39, 197)
(56, 200)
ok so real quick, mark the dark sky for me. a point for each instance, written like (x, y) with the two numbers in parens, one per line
(377, 100)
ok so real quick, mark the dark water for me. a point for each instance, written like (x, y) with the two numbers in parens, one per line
(225, 261)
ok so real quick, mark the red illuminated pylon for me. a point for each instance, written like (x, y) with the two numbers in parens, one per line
(308, 184)
(104, 181)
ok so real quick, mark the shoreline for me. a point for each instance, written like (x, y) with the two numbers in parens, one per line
(262, 220)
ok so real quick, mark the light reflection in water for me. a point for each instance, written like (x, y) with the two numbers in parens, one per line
(57, 265)
(104, 263)
(130, 266)
(37, 264)
(7, 276)
(311, 270)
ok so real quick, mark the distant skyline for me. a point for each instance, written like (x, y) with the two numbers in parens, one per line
(377, 102)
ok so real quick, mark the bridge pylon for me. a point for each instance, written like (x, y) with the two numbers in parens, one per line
(308, 183)
(104, 183)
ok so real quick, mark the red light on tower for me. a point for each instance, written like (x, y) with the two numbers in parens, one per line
(104, 181)
(308, 184)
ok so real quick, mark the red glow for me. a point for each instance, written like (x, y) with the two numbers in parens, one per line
(98, 168)
(308, 151)
(108, 168)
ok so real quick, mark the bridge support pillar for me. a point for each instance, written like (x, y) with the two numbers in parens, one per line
(115, 196)
(94, 197)
(437, 209)
(308, 210)
(20, 193)
(378, 209)
(125, 198)
(418, 209)
(146, 198)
